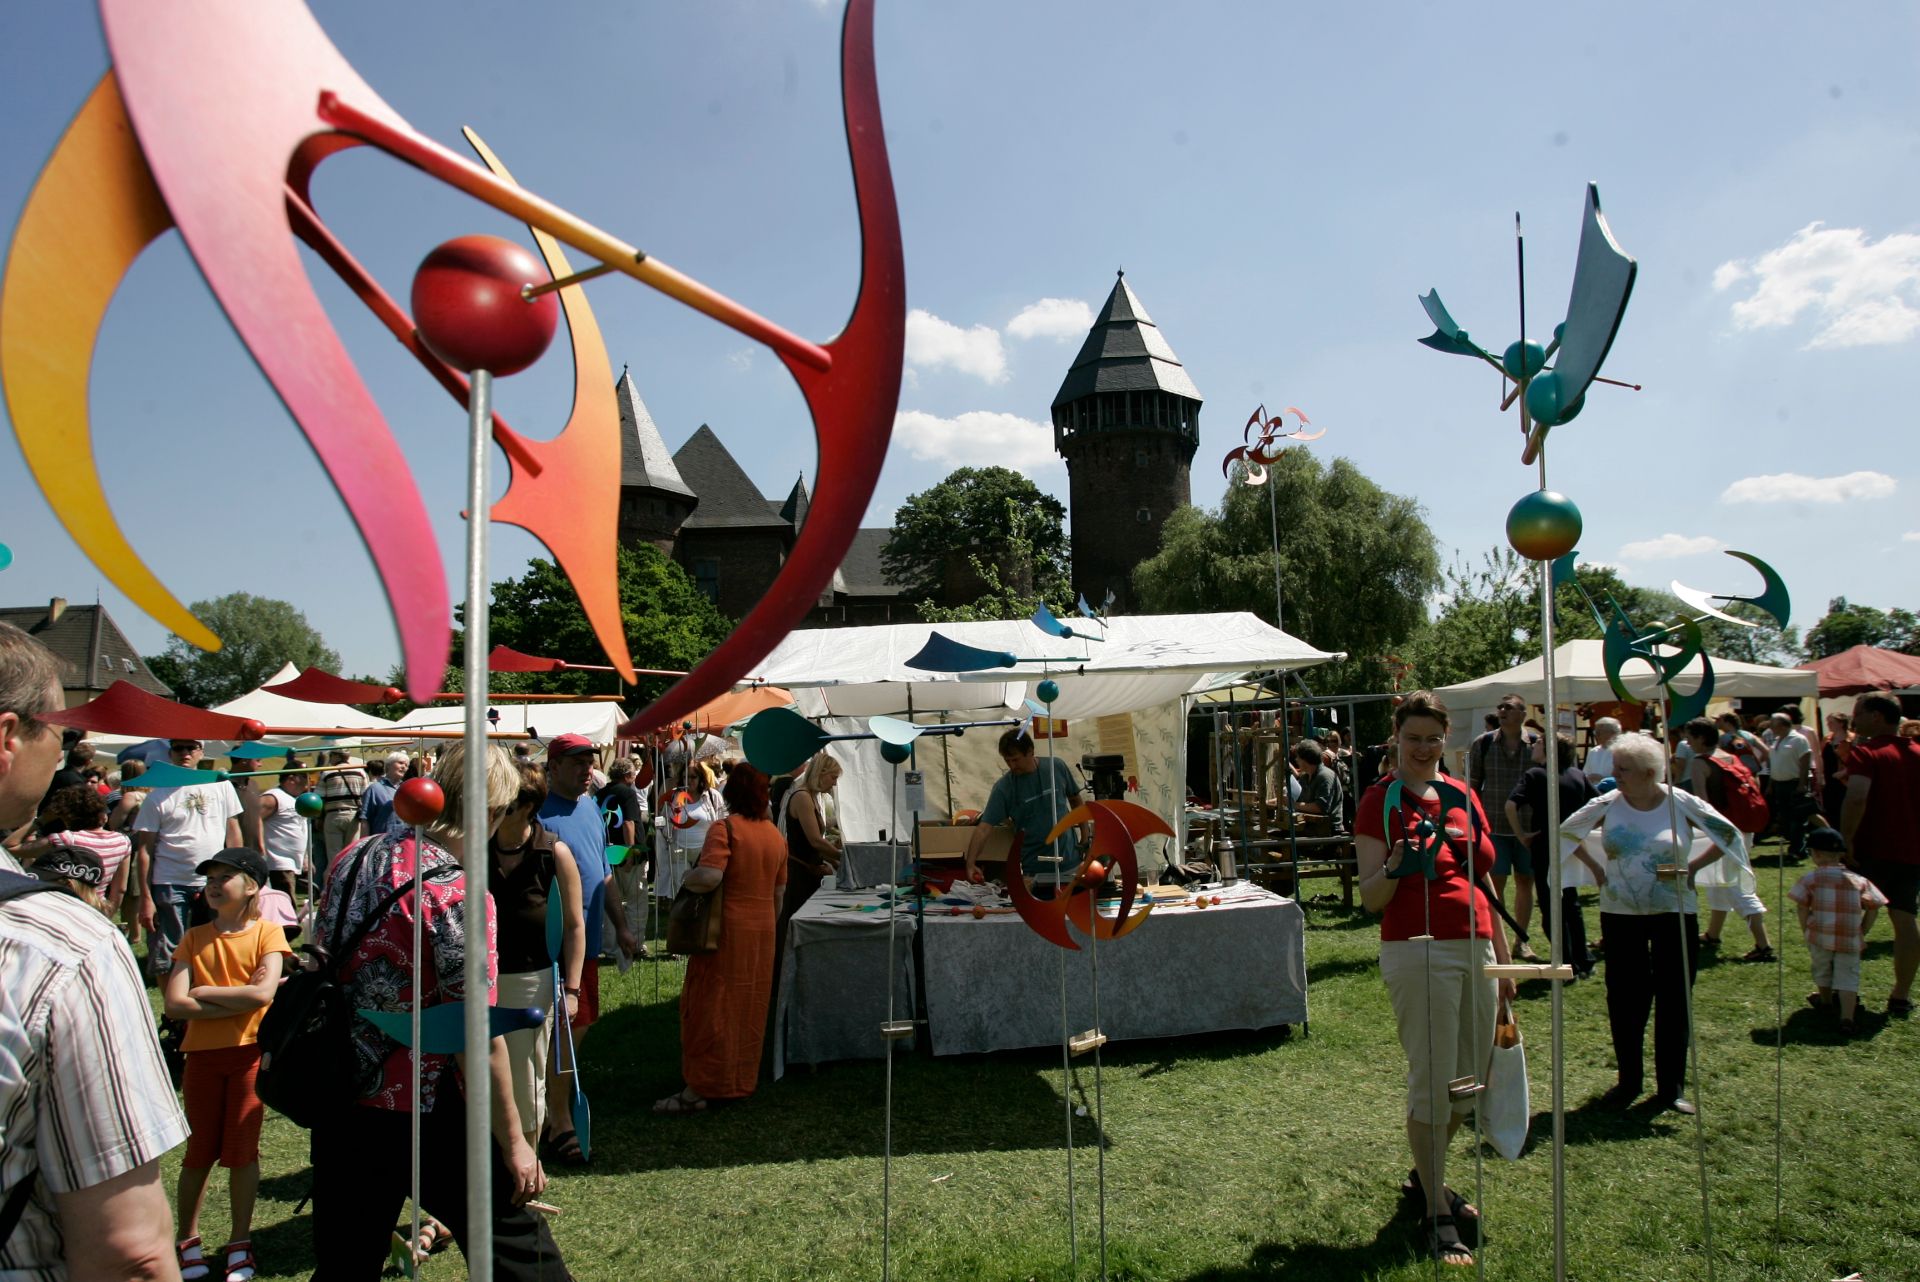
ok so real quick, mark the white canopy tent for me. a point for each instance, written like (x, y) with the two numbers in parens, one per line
(599, 722)
(277, 710)
(1123, 695)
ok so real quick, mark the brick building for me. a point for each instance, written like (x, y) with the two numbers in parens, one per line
(92, 651)
(1127, 420)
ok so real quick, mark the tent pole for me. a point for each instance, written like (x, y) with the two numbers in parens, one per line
(473, 822)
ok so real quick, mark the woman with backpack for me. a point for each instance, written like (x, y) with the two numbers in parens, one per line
(362, 1137)
(1724, 782)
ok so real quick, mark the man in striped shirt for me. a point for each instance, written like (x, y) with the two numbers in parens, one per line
(86, 1110)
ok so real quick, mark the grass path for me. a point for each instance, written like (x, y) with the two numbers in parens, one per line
(1230, 1156)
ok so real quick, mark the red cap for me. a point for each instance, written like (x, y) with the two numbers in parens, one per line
(568, 745)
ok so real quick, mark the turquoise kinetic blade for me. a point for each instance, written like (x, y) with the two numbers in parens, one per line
(943, 654)
(1048, 622)
(1603, 276)
(778, 739)
(1688, 706)
(255, 751)
(895, 731)
(1447, 336)
(443, 1027)
(1774, 598)
(164, 774)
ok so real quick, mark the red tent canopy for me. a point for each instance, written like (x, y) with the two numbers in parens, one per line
(1863, 669)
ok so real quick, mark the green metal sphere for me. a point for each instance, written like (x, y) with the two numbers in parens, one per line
(1523, 360)
(1544, 526)
(308, 804)
(1048, 691)
(895, 754)
(1543, 398)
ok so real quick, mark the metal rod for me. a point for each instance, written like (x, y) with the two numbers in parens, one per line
(530, 292)
(473, 823)
(893, 916)
(1273, 519)
(413, 1048)
(1555, 904)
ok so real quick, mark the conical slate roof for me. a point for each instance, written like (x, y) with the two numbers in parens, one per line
(794, 510)
(1125, 352)
(728, 496)
(644, 461)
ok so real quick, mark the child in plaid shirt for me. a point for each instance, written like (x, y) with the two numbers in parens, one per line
(1836, 910)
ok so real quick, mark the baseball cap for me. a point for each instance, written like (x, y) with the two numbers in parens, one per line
(240, 859)
(70, 863)
(1827, 839)
(568, 745)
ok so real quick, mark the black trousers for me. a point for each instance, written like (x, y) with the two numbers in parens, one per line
(1650, 967)
(361, 1173)
(1789, 801)
(1573, 950)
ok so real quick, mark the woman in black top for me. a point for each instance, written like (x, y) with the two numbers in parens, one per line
(524, 864)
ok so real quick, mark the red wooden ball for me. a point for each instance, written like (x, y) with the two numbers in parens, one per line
(419, 801)
(1095, 874)
(468, 308)
(252, 729)
(979, 912)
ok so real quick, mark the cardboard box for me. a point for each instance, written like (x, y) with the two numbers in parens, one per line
(949, 841)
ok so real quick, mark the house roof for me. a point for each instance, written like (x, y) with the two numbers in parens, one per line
(92, 651)
(644, 461)
(1125, 352)
(794, 510)
(861, 571)
(728, 496)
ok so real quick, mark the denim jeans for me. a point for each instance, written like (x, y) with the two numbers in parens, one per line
(175, 908)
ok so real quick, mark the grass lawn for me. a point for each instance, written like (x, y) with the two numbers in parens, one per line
(1230, 1156)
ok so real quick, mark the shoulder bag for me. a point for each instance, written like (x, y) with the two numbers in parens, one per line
(693, 922)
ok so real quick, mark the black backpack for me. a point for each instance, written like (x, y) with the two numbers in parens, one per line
(306, 1036)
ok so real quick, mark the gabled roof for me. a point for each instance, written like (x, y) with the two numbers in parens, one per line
(644, 461)
(1125, 352)
(728, 496)
(92, 651)
(860, 572)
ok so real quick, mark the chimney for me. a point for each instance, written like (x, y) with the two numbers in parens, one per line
(56, 608)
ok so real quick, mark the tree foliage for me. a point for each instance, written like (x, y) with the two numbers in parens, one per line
(1846, 625)
(990, 526)
(1357, 564)
(669, 624)
(258, 635)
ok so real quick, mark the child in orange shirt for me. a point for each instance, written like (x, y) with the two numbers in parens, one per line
(224, 976)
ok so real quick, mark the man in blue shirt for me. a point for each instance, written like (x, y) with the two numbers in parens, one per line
(1033, 795)
(376, 803)
(572, 816)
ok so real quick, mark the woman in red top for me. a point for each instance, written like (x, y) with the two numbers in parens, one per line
(1437, 935)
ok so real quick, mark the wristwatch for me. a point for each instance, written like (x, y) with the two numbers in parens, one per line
(572, 992)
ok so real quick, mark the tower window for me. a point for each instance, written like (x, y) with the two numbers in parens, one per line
(706, 577)
(1144, 516)
(1142, 459)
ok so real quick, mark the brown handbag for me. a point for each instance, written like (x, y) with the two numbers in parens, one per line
(693, 919)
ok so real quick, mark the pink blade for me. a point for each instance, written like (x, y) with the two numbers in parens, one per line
(315, 686)
(126, 709)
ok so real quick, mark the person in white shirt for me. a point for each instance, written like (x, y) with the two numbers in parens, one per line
(284, 830)
(1790, 790)
(1599, 763)
(175, 831)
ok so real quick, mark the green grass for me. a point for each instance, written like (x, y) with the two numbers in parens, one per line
(1229, 1156)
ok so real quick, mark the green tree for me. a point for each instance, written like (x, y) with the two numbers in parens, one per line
(1357, 564)
(1846, 625)
(669, 624)
(258, 635)
(986, 535)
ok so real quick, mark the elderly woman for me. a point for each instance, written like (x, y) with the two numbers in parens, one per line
(1422, 868)
(1599, 762)
(361, 1147)
(723, 1005)
(1646, 868)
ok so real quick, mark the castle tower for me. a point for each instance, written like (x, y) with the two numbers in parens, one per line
(1127, 420)
(654, 501)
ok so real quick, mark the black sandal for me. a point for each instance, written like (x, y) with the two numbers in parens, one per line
(1456, 1252)
(1458, 1206)
(565, 1149)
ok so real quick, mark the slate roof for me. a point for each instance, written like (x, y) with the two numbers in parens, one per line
(81, 638)
(861, 568)
(644, 460)
(794, 510)
(1125, 352)
(728, 496)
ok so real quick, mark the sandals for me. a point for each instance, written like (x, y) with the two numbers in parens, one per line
(240, 1262)
(565, 1149)
(1455, 1252)
(1460, 1208)
(193, 1265)
(679, 1104)
(1899, 1007)
(1760, 954)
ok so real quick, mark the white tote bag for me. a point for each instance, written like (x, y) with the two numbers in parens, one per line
(1506, 1107)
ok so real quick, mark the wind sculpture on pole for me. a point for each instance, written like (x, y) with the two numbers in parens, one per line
(212, 119)
(1256, 458)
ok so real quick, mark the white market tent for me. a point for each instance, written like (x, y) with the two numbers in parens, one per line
(599, 722)
(1123, 695)
(278, 710)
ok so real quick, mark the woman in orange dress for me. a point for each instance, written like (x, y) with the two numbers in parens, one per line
(723, 1007)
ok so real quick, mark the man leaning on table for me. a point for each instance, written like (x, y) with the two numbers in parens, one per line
(1033, 796)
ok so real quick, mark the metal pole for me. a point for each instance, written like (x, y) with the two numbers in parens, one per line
(413, 1050)
(1556, 905)
(473, 822)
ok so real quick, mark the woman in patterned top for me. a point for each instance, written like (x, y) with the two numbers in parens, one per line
(1648, 912)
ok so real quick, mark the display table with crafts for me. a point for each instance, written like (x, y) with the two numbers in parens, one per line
(992, 984)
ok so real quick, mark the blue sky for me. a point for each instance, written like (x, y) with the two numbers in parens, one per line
(1279, 181)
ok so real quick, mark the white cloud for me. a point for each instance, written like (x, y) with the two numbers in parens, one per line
(1862, 292)
(1669, 546)
(1055, 318)
(977, 438)
(741, 358)
(933, 343)
(1911, 536)
(1792, 487)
